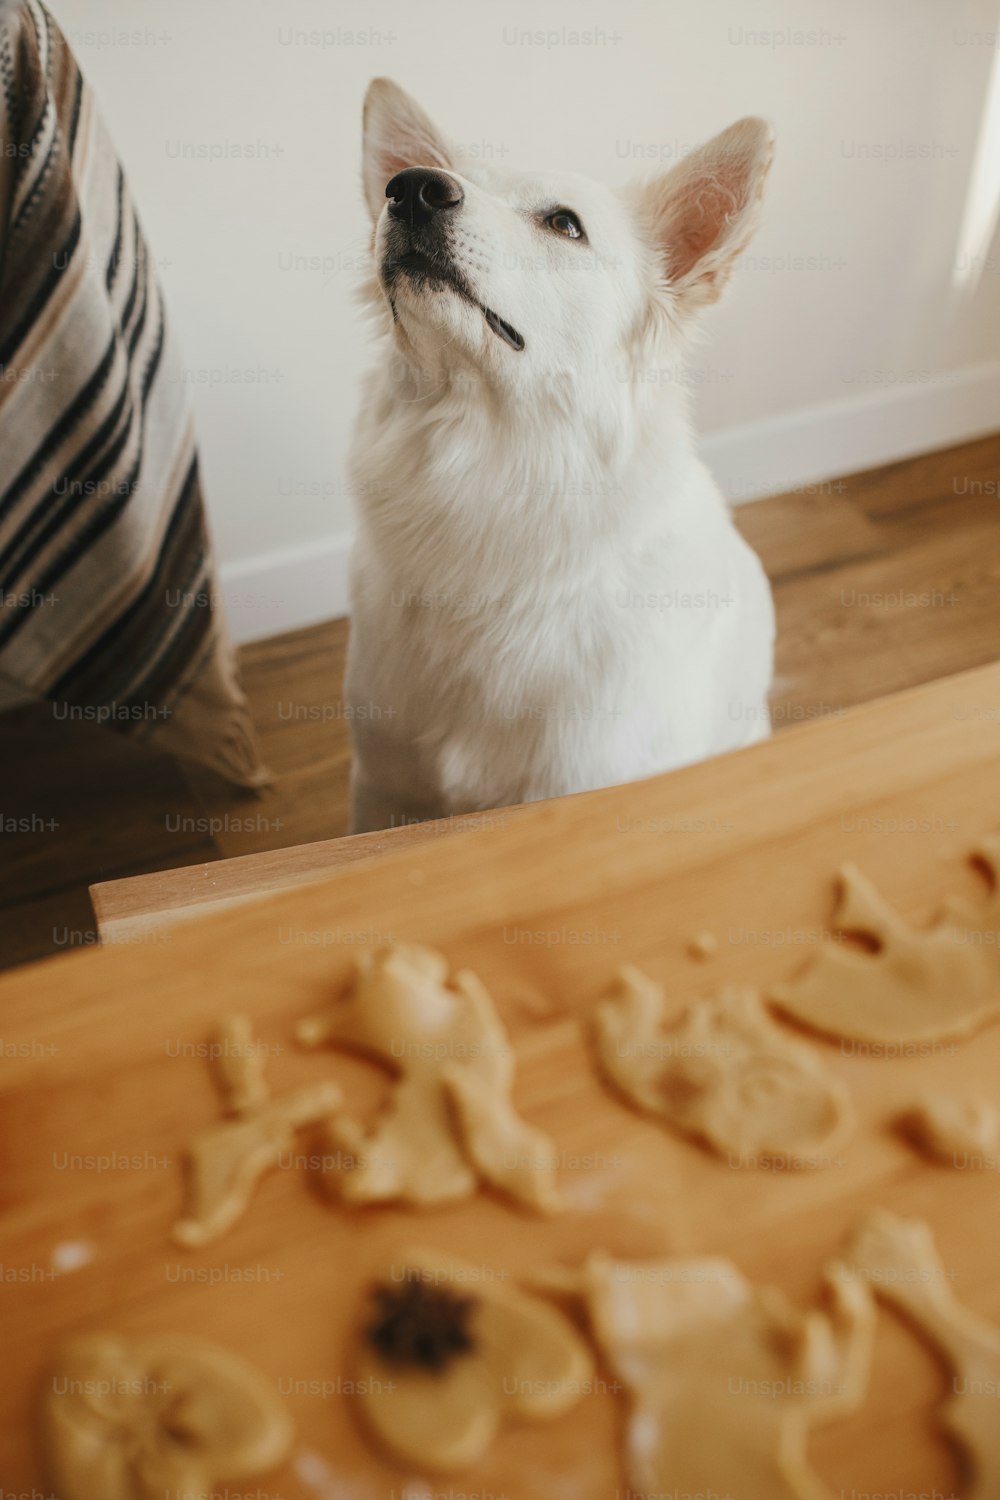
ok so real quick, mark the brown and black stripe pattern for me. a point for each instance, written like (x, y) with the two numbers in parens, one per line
(106, 579)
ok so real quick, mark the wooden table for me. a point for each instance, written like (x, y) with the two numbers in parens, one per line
(127, 910)
(97, 1059)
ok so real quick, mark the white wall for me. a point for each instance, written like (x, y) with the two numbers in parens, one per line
(828, 354)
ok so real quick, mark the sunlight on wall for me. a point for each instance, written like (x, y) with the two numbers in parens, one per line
(982, 205)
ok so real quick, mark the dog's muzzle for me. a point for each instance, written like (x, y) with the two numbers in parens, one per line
(422, 200)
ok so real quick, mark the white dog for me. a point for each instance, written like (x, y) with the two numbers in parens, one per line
(548, 594)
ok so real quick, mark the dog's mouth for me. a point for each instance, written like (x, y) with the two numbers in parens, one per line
(502, 329)
(435, 270)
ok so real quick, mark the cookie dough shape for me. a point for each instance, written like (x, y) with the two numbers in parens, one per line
(449, 1121)
(723, 1380)
(226, 1161)
(726, 1073)
(899, 1258)
(126, 1418)
(946, 1127)
(524, 1362)
(920, 986)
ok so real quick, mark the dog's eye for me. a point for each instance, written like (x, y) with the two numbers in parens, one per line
(564, 221)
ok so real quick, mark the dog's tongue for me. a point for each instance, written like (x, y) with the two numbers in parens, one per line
(503, 330)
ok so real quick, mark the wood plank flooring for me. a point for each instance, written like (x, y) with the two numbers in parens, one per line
(882, 580)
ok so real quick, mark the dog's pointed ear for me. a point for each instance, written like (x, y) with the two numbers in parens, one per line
(702, 213)
(396, 134)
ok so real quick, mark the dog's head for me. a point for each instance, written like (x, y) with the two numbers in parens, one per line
(536, 278)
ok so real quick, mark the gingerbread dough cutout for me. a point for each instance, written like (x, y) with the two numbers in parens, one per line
(126, 1418)
(727, 1074)
(723, 1380)
(946, 1127)
(899, 1258)
(449, 1121)
(920, 986)
(226, 1161)
(450, 1357)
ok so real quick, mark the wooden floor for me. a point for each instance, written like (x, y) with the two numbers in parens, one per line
(882, 580)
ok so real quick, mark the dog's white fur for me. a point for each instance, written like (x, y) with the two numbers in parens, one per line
(548, 594)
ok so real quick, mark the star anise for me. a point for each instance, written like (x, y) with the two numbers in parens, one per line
(420, 1324)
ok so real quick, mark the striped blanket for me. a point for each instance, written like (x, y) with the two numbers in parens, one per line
(107, 587)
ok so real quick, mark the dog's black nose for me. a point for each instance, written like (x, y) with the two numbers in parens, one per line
(419, 193)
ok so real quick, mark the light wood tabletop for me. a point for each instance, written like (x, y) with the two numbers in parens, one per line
(101, 1085)
(131, 908)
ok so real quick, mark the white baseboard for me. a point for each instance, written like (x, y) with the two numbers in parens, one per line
(286, 589)
(879, 425)
(305, 585)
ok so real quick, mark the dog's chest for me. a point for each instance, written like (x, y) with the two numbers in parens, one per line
(541, 638)
(503, 620)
